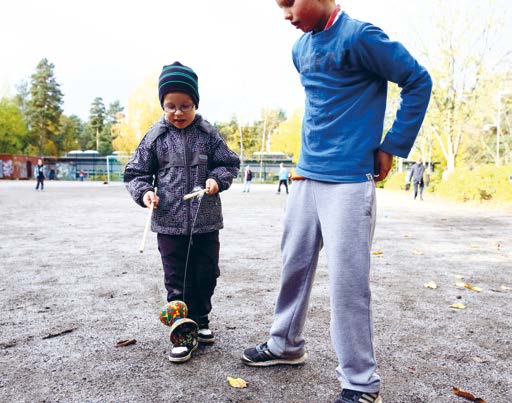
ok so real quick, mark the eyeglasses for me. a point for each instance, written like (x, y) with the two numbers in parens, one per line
(183, 108)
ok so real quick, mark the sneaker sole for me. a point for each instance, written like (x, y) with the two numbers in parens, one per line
(278, 361)
(205, 341)
(186, 357)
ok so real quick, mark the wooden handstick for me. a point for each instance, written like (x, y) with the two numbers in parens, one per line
(148, 225)
(194, 194)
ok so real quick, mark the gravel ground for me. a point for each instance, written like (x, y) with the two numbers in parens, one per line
(73, 284)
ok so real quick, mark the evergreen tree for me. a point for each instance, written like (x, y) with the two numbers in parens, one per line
(71, 130)
(110, 130)
(87, 139)
(97, 120)
(44, 107)
(22, 96)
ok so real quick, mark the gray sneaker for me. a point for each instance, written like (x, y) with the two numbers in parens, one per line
(353, 396)
(261, 356)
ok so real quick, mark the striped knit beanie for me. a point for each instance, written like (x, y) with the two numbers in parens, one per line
(178, 78)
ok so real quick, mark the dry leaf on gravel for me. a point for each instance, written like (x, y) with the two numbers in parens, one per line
(430, 284)
(480, 360)
(237, 382)
(123, 343)
(458, 306)
(468, 286)
(472, 288)
(467, 395)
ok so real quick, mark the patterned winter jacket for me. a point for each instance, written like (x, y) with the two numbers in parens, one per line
(176, 161)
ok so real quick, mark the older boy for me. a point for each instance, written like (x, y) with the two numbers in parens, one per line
(344, 66)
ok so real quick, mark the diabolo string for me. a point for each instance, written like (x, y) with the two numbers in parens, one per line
(190, 241)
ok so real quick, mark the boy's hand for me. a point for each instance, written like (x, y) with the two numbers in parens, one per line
(383, 164)
(211, 186)
(149, 198)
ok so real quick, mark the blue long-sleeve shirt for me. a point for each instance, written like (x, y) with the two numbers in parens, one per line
(345, 70)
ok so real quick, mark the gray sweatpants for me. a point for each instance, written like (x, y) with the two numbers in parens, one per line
(341, 218)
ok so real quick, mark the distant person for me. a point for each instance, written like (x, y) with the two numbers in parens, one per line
(81, 174)
(247, 179)
(283, 178)
(39, 172)
(344, 65)
(180, 153)
(417, 172)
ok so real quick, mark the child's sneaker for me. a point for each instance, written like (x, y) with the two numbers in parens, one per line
(353, 396)
(261, 356)
(205, 335)
(183, 353)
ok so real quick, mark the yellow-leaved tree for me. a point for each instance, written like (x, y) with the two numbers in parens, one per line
(287, 138)
(142, 111)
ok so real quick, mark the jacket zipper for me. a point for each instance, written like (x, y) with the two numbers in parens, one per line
(187, 180)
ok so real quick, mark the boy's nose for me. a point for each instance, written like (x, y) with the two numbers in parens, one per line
(287, 15)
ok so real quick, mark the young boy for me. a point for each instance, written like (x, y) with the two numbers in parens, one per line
(39, 171)
(283, 178)
(344, 66)
(180, 152)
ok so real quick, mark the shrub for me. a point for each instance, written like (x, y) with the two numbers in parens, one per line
(483, 183)
(395, 181)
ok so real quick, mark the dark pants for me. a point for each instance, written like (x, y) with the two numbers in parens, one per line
(415, 186)
(202, 270)
(283, 182)
(40, 181)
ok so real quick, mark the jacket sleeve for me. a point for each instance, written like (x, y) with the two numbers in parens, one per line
(225, 163)
(141, 168)
(393, 62)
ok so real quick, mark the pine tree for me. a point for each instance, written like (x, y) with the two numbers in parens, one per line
(72, 128)
(110, 130)
(44, 107)
(97, 120)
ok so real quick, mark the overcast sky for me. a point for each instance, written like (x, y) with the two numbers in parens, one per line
(240, 49)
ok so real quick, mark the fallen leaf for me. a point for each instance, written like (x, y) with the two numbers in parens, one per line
(377, 253)
(467, 395)
(479, 360)
(470, 287)
(503, 288)
(459, 277)
(406, 235)
(430, 284)
(123, 343)
(474, 246)
(459, 284)
(237, 382)
(458, 306)
(417, 252)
